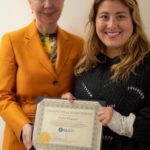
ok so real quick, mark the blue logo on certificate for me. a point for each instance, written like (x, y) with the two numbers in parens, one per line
(60, 129)
(65, 130)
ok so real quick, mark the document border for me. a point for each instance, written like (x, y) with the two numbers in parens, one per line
(52, 102)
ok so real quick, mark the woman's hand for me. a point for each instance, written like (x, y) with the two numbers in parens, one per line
(68, 96)
(27, 136)
(105, 115)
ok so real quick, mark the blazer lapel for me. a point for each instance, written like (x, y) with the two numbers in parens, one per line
(34, 45)
(63, 50)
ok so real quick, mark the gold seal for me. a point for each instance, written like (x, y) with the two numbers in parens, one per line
(44, 138)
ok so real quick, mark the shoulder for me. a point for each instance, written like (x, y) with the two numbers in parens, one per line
(140, 77)
(147, 58)
(19, 33)
(145, 65)
(72, 37)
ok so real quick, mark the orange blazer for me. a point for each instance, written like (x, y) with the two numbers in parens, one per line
(26, 72)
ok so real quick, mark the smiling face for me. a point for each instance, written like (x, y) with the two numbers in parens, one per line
(114, 26)
(47, 12)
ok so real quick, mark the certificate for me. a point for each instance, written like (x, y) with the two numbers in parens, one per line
(60, 125)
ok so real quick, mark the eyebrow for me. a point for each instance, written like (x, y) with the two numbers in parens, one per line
(120, 12)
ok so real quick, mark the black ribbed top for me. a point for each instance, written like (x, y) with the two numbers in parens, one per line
(126, 97)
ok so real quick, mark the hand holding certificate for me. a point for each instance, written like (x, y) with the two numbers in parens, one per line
(60, 125)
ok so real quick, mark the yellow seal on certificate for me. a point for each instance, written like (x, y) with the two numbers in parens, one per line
(44, 138)
(60, 125)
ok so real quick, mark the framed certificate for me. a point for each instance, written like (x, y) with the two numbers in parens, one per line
(60, 125)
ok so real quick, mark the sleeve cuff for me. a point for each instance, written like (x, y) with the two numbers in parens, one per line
(122, 125)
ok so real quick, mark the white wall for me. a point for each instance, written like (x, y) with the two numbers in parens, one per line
(145, 11)
(16, 13)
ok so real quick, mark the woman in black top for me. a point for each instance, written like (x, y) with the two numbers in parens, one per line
(116, 68)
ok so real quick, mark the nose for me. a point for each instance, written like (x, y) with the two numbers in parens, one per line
(112, 22)
(48, 3)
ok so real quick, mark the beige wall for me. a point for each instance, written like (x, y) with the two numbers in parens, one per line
(145, 11)
(16, 13)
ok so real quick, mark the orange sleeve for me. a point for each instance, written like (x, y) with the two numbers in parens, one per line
(10, 110)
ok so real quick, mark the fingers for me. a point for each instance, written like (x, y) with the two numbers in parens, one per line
(103, 118)
(27, 136)
(105, 115)
(68, 96)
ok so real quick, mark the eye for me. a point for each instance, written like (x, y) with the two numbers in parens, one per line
(104, 17)
(121, 17)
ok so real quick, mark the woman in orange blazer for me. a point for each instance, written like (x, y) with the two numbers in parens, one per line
(26, 72)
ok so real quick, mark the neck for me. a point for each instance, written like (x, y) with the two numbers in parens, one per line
(46, 29)
(111, 53)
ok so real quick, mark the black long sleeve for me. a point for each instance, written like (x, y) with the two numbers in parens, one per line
(131, 96)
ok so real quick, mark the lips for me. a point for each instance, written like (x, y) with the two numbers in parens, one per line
(113, 34)
(48, 13)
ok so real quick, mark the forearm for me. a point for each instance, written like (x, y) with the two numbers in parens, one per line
(122, 125)
(15, 118)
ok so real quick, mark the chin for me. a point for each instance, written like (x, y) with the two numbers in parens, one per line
(115, 45)
(47, 22)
